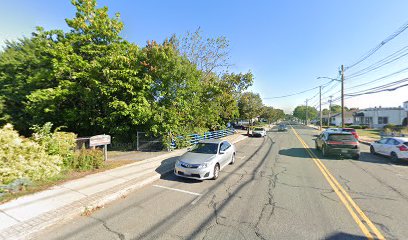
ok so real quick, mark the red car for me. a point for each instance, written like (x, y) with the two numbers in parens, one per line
(352, 131)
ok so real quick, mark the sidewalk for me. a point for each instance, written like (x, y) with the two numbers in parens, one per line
(366, 140)
(22, 217)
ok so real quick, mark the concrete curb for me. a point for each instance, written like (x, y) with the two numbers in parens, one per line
(31, 227)
(365, 142)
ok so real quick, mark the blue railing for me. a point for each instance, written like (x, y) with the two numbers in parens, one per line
(195, 138)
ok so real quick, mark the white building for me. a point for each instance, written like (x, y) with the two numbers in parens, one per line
(405, 122)
(379, 117)
(336, 118)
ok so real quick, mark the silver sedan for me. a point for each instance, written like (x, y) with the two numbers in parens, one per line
(205, 160)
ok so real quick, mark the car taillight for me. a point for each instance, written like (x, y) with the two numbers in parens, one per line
(403, 148)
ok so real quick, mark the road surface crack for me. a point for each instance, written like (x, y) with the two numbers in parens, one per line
(105, 225)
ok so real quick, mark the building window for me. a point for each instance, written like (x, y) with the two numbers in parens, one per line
(382, 120)
(368, 120)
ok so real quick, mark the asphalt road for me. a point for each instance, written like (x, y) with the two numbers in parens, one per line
(275, 190)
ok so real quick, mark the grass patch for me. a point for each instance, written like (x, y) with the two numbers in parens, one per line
(371, 133)
(59, 179)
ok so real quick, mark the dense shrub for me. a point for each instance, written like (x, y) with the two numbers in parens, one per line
(88, 159)
(393, 128)
(24, 158)
(56, 142)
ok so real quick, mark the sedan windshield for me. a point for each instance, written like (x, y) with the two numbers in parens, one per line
(341, 137)
(258, 129)
(207, 148)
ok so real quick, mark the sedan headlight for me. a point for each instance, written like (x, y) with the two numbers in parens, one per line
(204, 165)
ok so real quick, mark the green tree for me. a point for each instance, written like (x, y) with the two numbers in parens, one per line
(209, 54)
(300, 112)
(272, 114)
(335, 109)
(25, 66)
(250, 105)
(100, 82)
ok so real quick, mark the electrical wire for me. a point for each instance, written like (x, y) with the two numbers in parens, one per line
(376, 48)
(378, 79)
(298, 93)
(379, 64)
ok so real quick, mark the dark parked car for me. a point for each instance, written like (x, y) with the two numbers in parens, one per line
(282, 128)
(338, 143)
(352, 131)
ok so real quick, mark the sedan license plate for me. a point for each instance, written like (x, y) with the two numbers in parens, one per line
(187, 174)
(344, 151)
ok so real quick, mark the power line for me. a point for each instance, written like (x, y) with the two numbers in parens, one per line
(379, 64)
(293, 94)
(378, 91)
(378, 79)
(378, 88)
(382, 43)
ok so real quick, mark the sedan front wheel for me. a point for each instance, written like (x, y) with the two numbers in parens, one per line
(372, 150)
(216, 171)
(232, 159)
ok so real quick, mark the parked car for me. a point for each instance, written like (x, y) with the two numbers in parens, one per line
(352, 131)
(394, 147)
(259, 132)
(333, 130)
(282, 127)
(338, 143)
(205, 159)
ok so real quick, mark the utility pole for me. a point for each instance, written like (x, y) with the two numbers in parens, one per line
(306, 112)
(342, 96)
(330, 101)
(321, 114)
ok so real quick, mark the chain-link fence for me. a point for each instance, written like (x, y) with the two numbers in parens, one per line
(149, 142)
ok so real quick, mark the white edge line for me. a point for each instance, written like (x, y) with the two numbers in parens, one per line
(198, 198)
(177, 190)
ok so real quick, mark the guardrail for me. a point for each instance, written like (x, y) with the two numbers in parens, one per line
(195, 138)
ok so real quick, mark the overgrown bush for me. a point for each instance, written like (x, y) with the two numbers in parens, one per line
(88, 159)
(393, 128)
(56, 143)
(24, 158)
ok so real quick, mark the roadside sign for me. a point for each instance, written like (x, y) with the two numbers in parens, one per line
(99, 140)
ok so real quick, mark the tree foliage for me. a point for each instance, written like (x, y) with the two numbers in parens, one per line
(300, 112)
(250, 105)
(91, 81)
(208, 54)
(271, 114)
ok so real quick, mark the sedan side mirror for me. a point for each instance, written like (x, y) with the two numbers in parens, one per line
(222, 152)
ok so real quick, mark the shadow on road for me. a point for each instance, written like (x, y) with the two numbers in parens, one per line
(294, 152)
(170, 176)
(342, 235)
(364, 157)
(368, 157)
(166, 171)
(166, 165)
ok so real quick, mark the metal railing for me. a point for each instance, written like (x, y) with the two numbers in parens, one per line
(195, 138)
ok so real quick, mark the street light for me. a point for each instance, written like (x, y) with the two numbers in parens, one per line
(342, 92)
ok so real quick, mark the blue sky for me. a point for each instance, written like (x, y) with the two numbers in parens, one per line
(286, 44)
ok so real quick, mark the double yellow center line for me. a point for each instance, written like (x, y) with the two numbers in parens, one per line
(365, 224)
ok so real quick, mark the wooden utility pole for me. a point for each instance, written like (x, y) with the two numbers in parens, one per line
(342, 96)
(321, 114)
(330, 101)
(306, 112)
